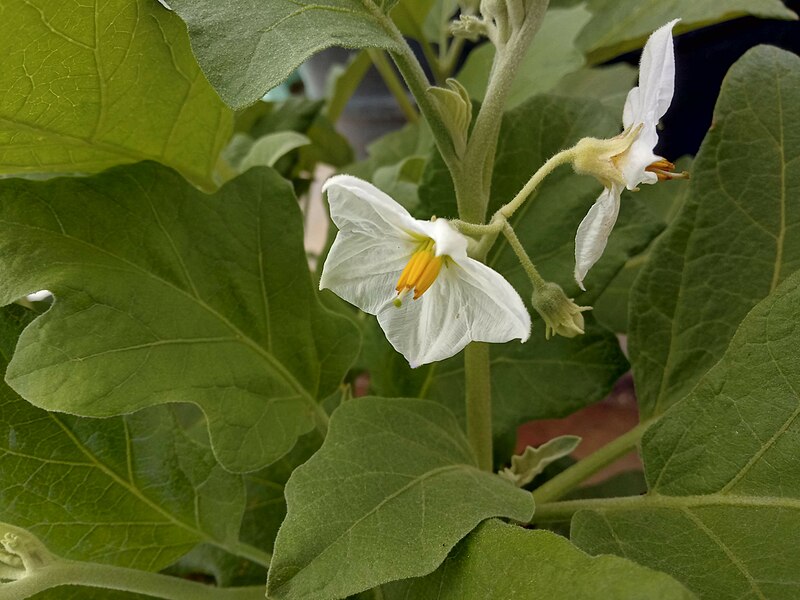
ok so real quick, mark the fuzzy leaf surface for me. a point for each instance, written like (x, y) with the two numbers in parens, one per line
(736, 238)
(86, 86)
(723, 510)
(164, 294)
(247, 47)
(499, 560)
(394, 487)
(132, 491)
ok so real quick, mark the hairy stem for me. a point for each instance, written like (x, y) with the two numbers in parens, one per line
(563, 157)
(570, 478)
(122, 579)
(533, 274)
(479, 403)
(472, 190)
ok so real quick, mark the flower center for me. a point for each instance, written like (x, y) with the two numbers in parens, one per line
(664, 170)
(420, 272)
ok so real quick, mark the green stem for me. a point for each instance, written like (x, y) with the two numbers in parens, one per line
(570, 478)
(536, 280)
(472, 191)
(559, 512)
(122, 579)
(453, 54)
(393, 83)
(479, 403)
(563, 157)
(433, 60)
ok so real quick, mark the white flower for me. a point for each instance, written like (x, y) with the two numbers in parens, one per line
(628, 159)
(382, 253)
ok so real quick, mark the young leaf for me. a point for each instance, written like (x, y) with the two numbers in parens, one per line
(619, 26)
(526, 466)
(551, 56)
(164, 294)
(505, 561)
(734, 241)
(723, 511)
(393, 488)
(243, 46)
(130, 491)
(88, 87)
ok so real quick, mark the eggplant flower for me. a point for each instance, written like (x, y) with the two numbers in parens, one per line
(430, 298)
(628, 159)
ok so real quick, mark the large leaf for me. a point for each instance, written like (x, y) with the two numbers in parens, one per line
(394, 487)
(92, 85)
(619, 26)
(164, 294)
(552, 55)
(506, 561)
(130, 491)
(736, 238)
(247, 47)
(723, 511)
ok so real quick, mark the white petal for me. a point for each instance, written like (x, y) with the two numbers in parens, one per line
(593, 232)
(364, 270)
(637, 158)
(467, 302)
(648, 103)
(358, 206)
(448, 241)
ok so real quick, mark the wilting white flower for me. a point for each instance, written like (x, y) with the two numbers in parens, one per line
(628, 159)
(430, 298)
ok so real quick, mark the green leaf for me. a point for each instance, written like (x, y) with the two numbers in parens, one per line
(164, 294)
(526, 466)
(734, 240)
(610, 85)
(410, 16)
(551, 56)
(394, 487)
(243, 46)
(267, 150)
(723, 511)
(132, 491)
(504, 561)
(619, 26)
(91, 87)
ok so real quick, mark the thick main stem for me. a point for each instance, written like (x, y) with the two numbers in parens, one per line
(479, 403)
(570, 478)
(472, 189)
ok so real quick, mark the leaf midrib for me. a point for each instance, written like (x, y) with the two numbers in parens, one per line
(241, 337)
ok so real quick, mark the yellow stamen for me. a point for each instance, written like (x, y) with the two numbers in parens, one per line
(663, 169)
(420, 272)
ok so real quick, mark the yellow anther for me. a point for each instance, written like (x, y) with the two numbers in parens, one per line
(663, 169)
(420, 272)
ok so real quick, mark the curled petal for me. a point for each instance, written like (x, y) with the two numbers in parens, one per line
(468, 302)
(648, 102)
(593, 232)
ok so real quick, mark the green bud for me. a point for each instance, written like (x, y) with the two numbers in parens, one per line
(561, 315)
(469, 27)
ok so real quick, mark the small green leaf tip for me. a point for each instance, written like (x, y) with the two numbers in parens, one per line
(561, 315)
(526, 466)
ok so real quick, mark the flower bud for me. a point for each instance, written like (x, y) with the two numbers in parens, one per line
(561, 315)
